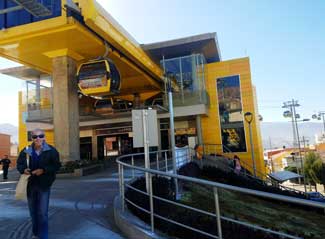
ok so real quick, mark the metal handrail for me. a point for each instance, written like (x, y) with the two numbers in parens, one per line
(216, 186)
(207, 151)
(259, 175)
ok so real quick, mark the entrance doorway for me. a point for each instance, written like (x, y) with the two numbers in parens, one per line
(85, 148)
(111, 146)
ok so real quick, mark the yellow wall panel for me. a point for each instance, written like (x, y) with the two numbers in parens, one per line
(211, 124)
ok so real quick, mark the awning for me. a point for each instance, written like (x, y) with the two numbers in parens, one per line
(284, 176)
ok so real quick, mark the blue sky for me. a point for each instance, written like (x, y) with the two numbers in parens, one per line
(285, 41)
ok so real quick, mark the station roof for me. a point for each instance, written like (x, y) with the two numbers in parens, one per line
(22, 72)
(207, 44)
(84, 33)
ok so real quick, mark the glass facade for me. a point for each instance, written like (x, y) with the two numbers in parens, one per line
(21, 17)
(38, 99)
(188, 71)
(231, 114)
(38, 94)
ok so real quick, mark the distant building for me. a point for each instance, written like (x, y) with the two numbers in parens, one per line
(4, 144)
(14, 150)
(320, 139)
(275, 158)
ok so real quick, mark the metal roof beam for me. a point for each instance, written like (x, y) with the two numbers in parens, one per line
(34, 7)
(10, 9)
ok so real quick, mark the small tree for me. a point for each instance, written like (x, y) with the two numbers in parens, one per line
(313, 168)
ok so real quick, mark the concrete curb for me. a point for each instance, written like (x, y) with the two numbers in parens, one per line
(131, 226)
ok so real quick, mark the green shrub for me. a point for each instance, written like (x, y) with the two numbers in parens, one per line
(70, 166)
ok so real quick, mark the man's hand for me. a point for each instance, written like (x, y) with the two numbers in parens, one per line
(27, 171)
(38, 172)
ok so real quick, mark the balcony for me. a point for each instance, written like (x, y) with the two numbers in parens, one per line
(189, 98)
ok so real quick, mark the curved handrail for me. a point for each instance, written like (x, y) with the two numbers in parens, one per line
(215, 185)
(259, 175)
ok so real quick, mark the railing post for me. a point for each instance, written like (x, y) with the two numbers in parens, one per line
(216, 199)
(122, 188)
(157, 159)
(132, 161)
(189, 158)
(151, 203)
(166, 161)
(119, 178)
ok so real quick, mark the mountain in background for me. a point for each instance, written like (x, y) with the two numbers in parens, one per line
(278, 134)
(11, 130)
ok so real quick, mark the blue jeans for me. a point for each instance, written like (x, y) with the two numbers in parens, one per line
(38, 203)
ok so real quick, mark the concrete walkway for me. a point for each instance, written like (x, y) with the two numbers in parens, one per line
(80, 208)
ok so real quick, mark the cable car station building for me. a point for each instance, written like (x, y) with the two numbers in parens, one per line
(84, 74)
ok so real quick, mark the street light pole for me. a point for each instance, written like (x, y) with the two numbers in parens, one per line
(249, 118)
(172, 130)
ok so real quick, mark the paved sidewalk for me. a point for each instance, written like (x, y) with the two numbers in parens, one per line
(80, 208)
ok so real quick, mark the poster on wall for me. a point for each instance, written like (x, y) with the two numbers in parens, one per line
(231, 114)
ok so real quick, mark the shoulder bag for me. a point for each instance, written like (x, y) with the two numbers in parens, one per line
(21, 188)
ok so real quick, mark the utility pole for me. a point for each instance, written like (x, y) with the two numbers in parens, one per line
(304, 141)
(320, 116)
(292, 106)
(271, 159)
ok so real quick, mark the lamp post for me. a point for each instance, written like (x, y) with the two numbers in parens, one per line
(249, 118)
(172, 128)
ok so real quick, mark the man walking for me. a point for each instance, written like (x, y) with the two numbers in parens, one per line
(43, 164)
(5, 166)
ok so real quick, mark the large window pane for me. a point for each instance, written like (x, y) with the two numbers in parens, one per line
(187, 70)
(231, 115)
(188, 73)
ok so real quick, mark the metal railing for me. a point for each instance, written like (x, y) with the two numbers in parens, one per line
(160, 164)
(218, 150)
(186, 98)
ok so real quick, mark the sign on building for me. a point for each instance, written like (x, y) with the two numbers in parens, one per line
(144, 120)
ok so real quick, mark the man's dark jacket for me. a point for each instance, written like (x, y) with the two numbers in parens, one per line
(49, 161)
(5, 162)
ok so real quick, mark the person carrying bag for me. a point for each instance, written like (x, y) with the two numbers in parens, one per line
(43, 163)
(21, 188)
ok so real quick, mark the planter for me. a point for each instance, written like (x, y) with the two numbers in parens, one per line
(88, 170)
(82, 171)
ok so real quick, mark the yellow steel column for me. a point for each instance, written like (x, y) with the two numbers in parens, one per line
(66, 108)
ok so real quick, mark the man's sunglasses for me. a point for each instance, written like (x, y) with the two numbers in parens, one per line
(41, 136)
